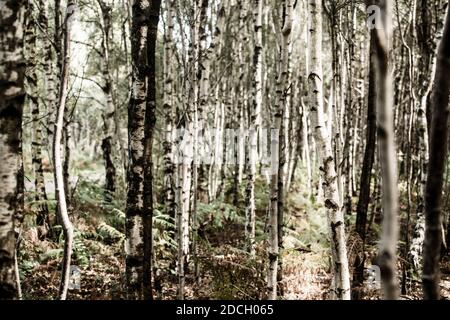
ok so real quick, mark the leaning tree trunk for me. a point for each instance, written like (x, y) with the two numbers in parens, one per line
(323, 141)
(437, 161)
(150, 122)
(388, 159)
(57, 160)
(12, 96)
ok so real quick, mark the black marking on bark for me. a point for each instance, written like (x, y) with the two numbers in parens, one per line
(331, 204)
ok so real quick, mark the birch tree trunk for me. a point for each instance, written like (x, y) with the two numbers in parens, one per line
(278, 146)
(217, 161)
(150, 122)
(109, 112)
(12, 96)
(57, 44)
(200, 81)
(323, 141)
(168, 144)
(439, 109)
(134, 224)
(57, 159)
(49, 77)
(187, 155)
(306, 147)
(284, 139)
(203, 74)
(415, 253)
(250, 217)
(427, 64)
(19, 214)
(33, 100)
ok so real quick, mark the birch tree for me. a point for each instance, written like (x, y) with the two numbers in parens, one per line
(57, 158)
(388, 160)
(49, 70)
(436, 167)
(134, 225)
(252, 159)
(110, 109)
(12, 95)
(169, 165)
(322, 137)
(278, 144)
(35, 107)
(150, 122)
(427, 66)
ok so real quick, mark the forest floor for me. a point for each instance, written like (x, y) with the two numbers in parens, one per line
(225, 270)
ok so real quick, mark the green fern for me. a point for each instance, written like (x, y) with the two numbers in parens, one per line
(109, 234)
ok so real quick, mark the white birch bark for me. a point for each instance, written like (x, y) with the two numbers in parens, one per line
(12, 96)
(254, 127)
(323, 142)
(57, 159)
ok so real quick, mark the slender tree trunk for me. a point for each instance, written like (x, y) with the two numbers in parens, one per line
(437, 161)
(217, 161)
(109, 112)
(238, 112)
(203, 74)
(323, 141)
(278, 146)
(57, 43)
(243, 93)
(168, 145)
(66, 135)
(58, 47)
(273, 250)
(366, 170)
(57, 159)
(150, 122)
(273, 218)
(200, 96)
(306, 148)
(250, 216)
(197, 114)
(19, 214)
